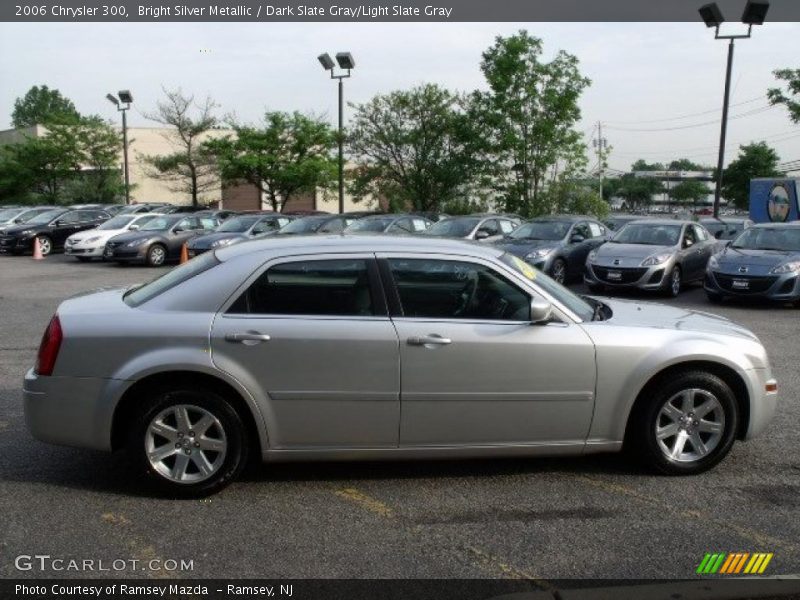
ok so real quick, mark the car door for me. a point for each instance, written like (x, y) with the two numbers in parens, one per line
(692, 254)
(312, 337)
(474, 370)
(705, 248)
(488, 231)
(180, 233)
(65, 226)
(579, 244)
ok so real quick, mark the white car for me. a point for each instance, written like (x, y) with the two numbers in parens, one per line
(86, 245)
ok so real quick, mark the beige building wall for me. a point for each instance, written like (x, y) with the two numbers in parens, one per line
(15, 136)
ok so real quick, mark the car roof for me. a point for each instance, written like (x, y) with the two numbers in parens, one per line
(312, 244)
(651, 221)
(789, 225)
(567, 218)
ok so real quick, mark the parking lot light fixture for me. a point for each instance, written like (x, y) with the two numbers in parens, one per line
(755, 11)
(123, 103)
(346, 63)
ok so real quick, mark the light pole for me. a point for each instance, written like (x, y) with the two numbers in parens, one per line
(346, 63)
(754, 13)
(123, 103)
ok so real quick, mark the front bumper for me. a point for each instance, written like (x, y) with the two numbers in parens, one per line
(780, 288)
(192, 252)
(125, 254)
(16, 244)
(70, 411)
(88, 251)
(644, 278)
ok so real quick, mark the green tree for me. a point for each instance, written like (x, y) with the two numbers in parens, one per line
(100, 177)
(790, 97)
(43, 106)
(191, 168)
(291, 153)
(637, 192)
(576, 198)
(642, 165)
(754, 160)
(684, 164)
(417, 149)
(531, 110)
(689, 191)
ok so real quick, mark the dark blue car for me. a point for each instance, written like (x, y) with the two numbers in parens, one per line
(762, 262)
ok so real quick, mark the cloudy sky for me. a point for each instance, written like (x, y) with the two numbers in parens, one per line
(657, 88)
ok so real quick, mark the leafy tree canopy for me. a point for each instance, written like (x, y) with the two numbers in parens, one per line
(43, 106)
(754, 160)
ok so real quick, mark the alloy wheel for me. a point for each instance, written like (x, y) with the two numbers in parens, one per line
(675, 281)
(690, 425)
(185, 444)
(157, 256)
(560, 271)
(45, 245)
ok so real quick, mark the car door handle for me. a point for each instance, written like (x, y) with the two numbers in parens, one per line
(250, 336)
(432, 339)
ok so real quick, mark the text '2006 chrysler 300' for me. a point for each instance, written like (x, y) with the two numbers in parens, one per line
(338, 347)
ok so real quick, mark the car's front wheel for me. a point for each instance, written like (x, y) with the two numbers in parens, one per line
(674, 282)
(191, 443)
(45, 245)
(156, 255)
(686, 425)
(559, 271)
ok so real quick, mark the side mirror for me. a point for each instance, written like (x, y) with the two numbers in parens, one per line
(178, 230)
(541, 312)
(134, 227)
(718, 234)
(481, 234)
(687, 243)
(576, 239)
(60, 223)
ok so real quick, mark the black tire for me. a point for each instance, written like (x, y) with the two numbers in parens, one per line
(156, 255)
(558, 271)
(642, 441)
(596, 287)
(234, 436)
(45, 244)
(671, 290)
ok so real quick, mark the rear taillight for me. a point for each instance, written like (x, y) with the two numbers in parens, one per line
(48, 349)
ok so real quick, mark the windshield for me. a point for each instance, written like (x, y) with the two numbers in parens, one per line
(117, 222)
(158, 224)
(46, 217)
(452, 228)
(237, 224)
(306, 225)
(576, 304)
(369, 225)
(541, 230)
(649, 234)
(765, 238)
(7, 213)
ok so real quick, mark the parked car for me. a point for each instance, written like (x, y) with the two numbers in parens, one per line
(91, 243)
(557, 246)
(479, 228)
(114, 209)
(52, 228)
(18, 216)
(762, 262)
(158, 241)
(313, 224)
(615, 222)
(143, 208)
(236, 229)
(219, 214)
(169, 209)
(431, 215)
(653, 254)
(727, 228)
(386, 346)
(398, 223)
(511, 216)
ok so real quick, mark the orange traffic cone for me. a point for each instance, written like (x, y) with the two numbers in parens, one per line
(184, 253)
(37, 250)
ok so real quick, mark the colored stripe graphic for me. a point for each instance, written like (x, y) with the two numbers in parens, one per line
(733, 563)
(704, 563)
(717, 565)
(741, 562)
(726, 566)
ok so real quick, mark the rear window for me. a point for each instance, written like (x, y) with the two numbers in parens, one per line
(138, 296)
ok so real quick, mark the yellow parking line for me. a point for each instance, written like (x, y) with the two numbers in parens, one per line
(138, 548)
(367, 502)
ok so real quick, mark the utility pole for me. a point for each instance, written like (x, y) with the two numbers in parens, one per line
(601, 144)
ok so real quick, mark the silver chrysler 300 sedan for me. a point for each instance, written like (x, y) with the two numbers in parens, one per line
(338, 347)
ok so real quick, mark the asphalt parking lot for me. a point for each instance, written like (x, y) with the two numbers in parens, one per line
(535, 518)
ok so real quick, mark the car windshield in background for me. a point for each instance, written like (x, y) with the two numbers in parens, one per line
(238, 224)
(139, 295)
(117, 222)
(370, 225)
(305, 225)
(45, 217)
(453, 227)
(8, 213)
(649, 234)
(541, 230)
(764, 238)
(159, 224)
(575, 303)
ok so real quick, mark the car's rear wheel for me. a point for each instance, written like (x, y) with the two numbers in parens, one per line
(45, 245)
(156, 255)
(191, 443)
(686, 425)
(559, 271)
(674, 282)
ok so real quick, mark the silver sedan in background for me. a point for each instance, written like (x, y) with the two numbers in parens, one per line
(651, 254)
(370, 347)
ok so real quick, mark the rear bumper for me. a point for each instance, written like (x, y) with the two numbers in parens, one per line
(70, 411)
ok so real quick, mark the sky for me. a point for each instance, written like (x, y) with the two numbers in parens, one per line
(646, 77)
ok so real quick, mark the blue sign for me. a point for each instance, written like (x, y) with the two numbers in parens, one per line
(774, 200)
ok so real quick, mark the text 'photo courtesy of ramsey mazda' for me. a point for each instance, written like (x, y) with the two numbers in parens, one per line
(183, 370)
